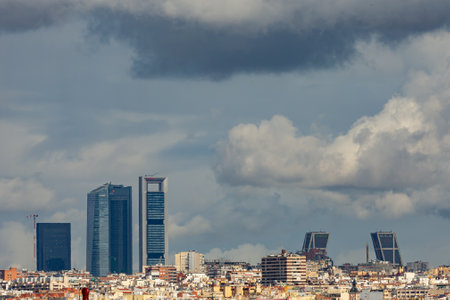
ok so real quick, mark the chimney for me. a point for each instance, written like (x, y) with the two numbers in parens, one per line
(367, 252)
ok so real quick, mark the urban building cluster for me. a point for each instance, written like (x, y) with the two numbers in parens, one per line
(109, 232)
(280, 276)
(306, 274)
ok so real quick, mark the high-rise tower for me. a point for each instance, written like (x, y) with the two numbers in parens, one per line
(153, 241)
(386, 247)
(315, 240)
(53, 246)
(109, 237)
(315, 245)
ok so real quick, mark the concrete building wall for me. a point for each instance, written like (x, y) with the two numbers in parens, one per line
(286, 268)
(189, 262)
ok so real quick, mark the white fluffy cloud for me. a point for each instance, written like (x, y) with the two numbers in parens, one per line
(395, 204)
(17, 194)
(195, 226)
(388, 158)
(122, 155)
(399, 147)
(17, 143)
(125, 156)
(16, 247)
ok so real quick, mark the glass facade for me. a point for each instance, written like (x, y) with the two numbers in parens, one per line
(155, 228)
(53, 247)
(321, 240)
(153, 242)
(386, 247)
(108, 246)
(315, 240)
(306, 242)
(120, 230)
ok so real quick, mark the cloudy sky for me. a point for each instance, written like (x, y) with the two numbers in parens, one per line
(270, 118)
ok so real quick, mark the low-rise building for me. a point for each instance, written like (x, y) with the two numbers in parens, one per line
(8, 275)
(417, 266)
(167, 273)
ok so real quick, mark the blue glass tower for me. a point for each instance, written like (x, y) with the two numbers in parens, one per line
(53, 246)
(109, 237)
(153, 241)
(386, 247)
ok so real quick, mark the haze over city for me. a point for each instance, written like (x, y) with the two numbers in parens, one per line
(269, 118)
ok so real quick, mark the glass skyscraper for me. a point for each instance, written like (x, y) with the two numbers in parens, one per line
(315, 240)
(386, 247)
(53, 246)
(153, 241)
(109, 237)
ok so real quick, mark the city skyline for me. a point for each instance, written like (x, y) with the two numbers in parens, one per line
(271, 119)
(384, 242)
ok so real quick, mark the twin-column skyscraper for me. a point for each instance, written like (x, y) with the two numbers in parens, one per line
(109, 226)
(153, 241)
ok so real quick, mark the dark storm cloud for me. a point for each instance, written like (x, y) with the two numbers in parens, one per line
(21, 15)
(166, 47)
(216, 39)
(444, 213)
(183, 46)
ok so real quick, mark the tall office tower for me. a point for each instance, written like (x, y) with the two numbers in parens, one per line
(53, 246)
(285, 267)
(108, 245)
(153, 241)
(386, 247)
(315, 245)
(189, 262)
(315, 240)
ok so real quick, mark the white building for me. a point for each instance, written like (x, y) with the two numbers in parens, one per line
(189, 262)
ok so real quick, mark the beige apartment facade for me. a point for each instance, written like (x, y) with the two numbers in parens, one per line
(189, 262)
(285, 268)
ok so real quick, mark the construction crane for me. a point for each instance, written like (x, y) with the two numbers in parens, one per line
(34, 216)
